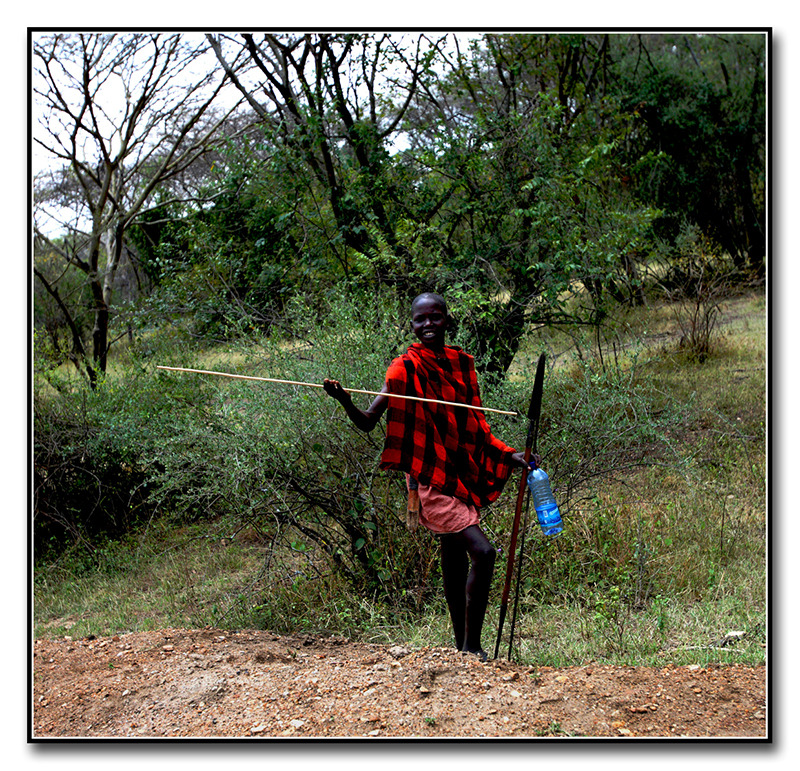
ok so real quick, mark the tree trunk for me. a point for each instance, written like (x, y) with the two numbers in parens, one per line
(100, 330)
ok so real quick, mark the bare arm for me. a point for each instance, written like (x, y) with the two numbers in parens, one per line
(365, 420)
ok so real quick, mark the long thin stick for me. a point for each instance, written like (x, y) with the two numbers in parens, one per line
(522, 532)
(511, 552)
(530, 442)
(534, 416)
(319, 385)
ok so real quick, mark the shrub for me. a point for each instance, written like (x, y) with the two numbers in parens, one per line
(92, 452)
(285, 463)
(698, 280)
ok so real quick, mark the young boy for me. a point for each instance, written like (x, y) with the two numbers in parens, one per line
(448, 452)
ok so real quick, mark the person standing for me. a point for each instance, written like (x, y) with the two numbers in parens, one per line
(449, 455)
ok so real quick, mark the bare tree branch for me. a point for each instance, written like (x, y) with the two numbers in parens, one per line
(127, 114)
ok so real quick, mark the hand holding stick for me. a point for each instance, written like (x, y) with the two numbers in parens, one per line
(347, 390)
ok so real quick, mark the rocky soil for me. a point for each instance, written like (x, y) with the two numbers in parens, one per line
(209, 683)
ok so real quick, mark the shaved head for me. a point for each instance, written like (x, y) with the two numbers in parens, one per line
(430, 297)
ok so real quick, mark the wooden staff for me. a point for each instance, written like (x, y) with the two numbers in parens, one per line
(533, 429)
(319, 385)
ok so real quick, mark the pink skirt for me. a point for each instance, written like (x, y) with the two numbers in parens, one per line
(442, 513)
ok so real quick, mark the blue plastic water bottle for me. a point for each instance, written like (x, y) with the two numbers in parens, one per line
(545, 504)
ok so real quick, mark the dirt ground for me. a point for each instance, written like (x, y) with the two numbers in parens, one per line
(180, 683)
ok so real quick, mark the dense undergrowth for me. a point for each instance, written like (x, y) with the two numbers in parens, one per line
(164, 499)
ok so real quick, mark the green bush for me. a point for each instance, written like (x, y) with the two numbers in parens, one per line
(278, 471)
(283, 463)
(93, 454)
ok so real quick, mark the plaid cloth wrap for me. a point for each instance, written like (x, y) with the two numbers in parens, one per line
(448, 448)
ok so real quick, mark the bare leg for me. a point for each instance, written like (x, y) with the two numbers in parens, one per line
(482, 555)
(455, 567)
(467, 588)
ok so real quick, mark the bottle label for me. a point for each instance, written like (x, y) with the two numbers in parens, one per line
(550, 519)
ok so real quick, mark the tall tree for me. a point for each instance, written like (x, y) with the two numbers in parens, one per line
(335, 103)
(117, 117)
(526, 138)
(699, 103)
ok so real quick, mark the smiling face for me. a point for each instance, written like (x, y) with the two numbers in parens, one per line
(429, 320)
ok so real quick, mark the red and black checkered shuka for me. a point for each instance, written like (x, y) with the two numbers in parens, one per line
(449, 448)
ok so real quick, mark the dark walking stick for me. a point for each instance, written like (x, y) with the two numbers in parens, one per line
(537, 398)
(533, 428)
(519, 573)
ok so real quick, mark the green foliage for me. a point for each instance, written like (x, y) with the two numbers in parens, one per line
(91, 475)
(603, 421)
(530, 174)
(548, 186)
(540, 226)
(284, 461)
(162, 239)
(700, 103)
(263, 507)
(697, 281)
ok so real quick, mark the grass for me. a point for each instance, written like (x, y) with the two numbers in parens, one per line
(160, 577)
(689, 540)
(655, 567)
